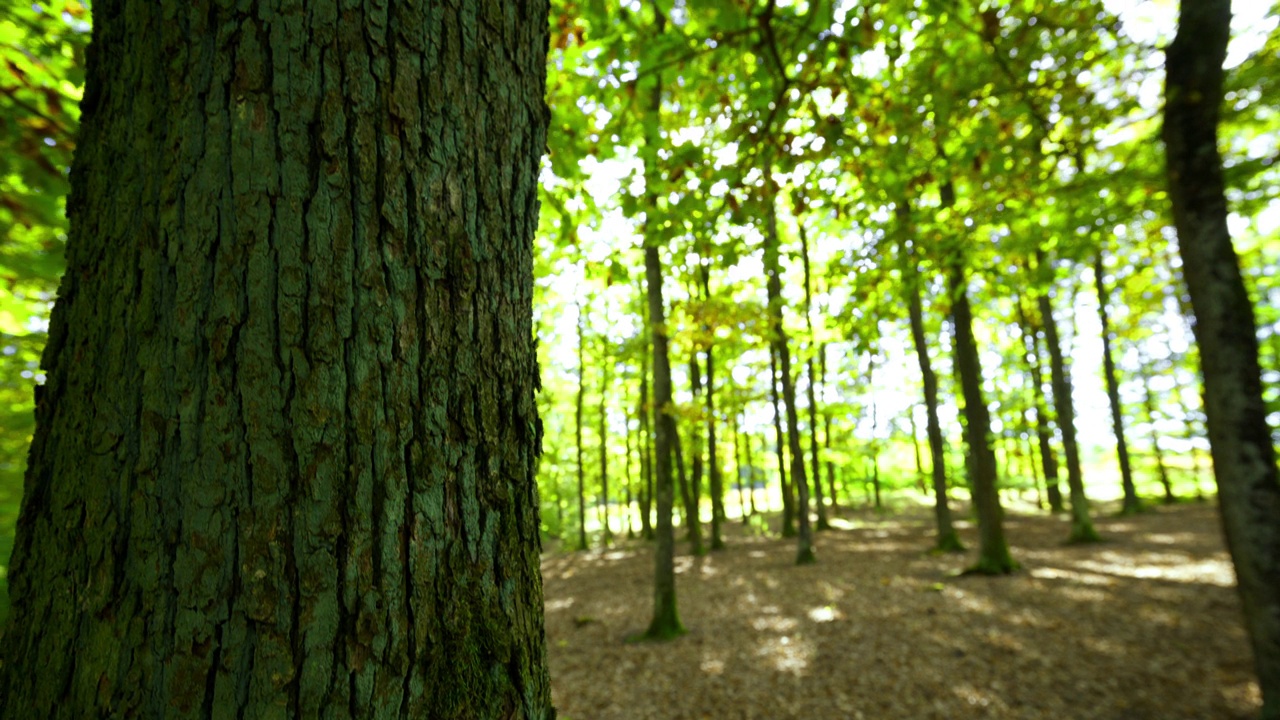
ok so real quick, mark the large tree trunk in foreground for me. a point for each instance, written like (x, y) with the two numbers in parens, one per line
(284, 460)
(1081, 523)
(1131, 502)
(1243, 454)
(778, 338)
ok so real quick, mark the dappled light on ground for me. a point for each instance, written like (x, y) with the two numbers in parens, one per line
(1144, 625)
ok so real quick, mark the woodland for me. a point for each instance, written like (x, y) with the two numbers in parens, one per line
(875, 373)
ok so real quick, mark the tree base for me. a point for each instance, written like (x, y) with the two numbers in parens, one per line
(805, 556)
(717, 544)
(1083, 535)
(822, 524)
(659, 631)
(992, 566)
(949, 543)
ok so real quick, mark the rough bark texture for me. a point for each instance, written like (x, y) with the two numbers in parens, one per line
(284, 461)
(1239, 437)
(778, 339)
(1131, 502)
(1081, 523)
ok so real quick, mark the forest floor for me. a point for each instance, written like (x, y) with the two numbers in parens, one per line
(1146, 624)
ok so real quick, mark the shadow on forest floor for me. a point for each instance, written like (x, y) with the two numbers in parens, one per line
(1144, 625)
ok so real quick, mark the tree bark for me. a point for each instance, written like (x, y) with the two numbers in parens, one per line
(993, 550)
(1239, 437)
(778, 338)
(1131, 502)
(646, 455)
(693, 489)
(577, 431)
(715, 479)
(1044, 434)
(1081, 523)
(666, 618)
(815, 467)
(284, 462)
(607, 538)
(947, 539)
(788, 497)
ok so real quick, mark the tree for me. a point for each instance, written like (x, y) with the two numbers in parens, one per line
(1239, 437)
(284, 460)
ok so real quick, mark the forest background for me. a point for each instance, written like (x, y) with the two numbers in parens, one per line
(1042, 117)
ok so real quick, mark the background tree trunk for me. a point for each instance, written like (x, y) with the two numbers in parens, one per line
(284, 459)
(1243, 454)
(1131, 502)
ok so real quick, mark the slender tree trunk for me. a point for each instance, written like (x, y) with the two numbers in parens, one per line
(751, 476)
(666, 618)
(947, 539)
(646, 455)
(816, 468)
(630, 499)
(248, 494)
(1044, 434)
(1131, 502)
(778, 333)
(1239, 437)
(604, 445)
(577, 429)
(915, 450)
(739, 468)
(1149, 405)
(826, 435)
(692, 510)
(993, 550)
(788, 498)
(1081, 523)
(875, 442)
(713, 462)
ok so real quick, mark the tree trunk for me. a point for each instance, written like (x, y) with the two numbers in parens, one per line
(284, 462)
(607, 539)
(692, 498)
(947, 540)
(778, 337)
(713, 462)
(666, 618)
(815, 467)
(1044, 434)
(751, 475)
(739, 468)
(577, 429)
(1149, 406)
(826, 436)
(646, 456)
(627, 485)
(1081, 523)
(1131, 502)
(993, 551)
(788, 498)
(1239, 438)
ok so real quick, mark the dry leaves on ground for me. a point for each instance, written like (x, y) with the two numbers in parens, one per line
(1144, 625)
